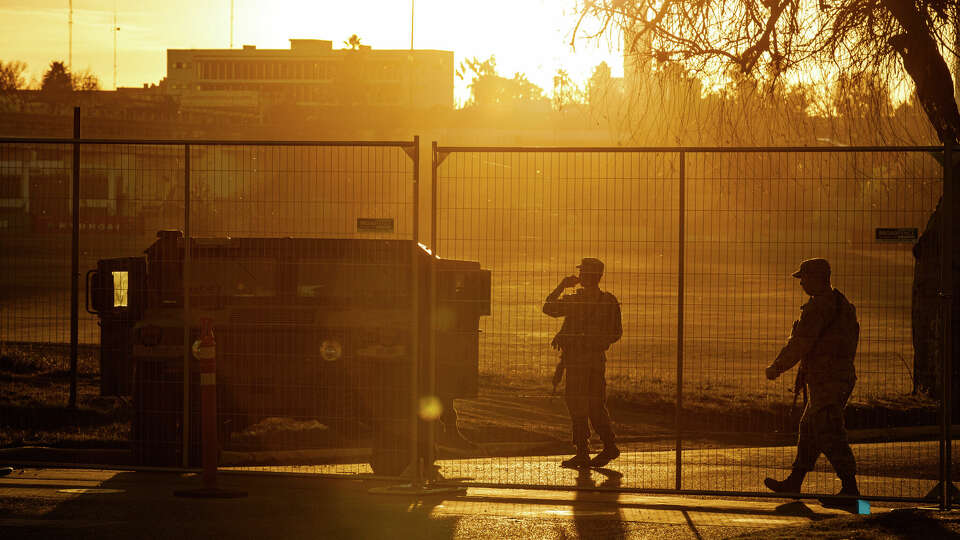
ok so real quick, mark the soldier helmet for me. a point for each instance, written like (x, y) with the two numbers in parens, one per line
(813, 267)
(591, 265)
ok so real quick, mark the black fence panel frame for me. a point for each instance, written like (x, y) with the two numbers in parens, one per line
(441, 153)
(426, 372)
(409, 188)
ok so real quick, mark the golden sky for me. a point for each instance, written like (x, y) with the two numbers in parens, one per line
(530, 36)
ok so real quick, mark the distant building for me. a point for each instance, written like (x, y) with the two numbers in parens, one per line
(310, 73)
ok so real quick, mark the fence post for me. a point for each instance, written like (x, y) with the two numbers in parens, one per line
(415, 364)
(432, 390)
(678, 474)
(75, 261)
(434, 164)
(948, 208)
(186, 306)
(421, 440)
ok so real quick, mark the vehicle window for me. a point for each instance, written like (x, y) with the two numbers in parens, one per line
(121, 285)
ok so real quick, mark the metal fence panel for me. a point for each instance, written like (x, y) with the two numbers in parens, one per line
(699, 245)
(302, 254)
(752, 216)
(530, 217)
(127, 192)
(311, 252)
(305, 257)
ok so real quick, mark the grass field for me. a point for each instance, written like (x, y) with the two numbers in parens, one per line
(736, 319)
(34, 401)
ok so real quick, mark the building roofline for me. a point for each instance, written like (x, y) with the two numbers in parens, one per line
(248, 51)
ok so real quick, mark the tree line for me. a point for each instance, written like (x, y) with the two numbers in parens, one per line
(57, 79)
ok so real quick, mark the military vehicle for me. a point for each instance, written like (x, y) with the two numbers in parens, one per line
(313, 330)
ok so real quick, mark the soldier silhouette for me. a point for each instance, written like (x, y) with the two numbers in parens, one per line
(824, 342)
(591, 323)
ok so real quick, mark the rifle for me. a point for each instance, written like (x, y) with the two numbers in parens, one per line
(799, 385)
(557, 376)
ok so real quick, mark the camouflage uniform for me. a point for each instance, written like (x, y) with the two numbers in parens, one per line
(590, 326)
(824, 342)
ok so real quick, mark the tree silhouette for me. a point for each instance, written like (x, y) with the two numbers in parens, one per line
(772, 38)
(599, 85)
(566, 92)
(353, 42)
(11, 76)
(768, 39)
(488, 88)
(57, 80)
(85, 81)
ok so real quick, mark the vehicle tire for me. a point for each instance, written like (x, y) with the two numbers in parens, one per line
(389, 461)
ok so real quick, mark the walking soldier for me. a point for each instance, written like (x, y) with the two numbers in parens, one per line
(824, 342)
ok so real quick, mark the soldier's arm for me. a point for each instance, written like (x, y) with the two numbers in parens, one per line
(804, 336)
(616, 322)
(555, 305)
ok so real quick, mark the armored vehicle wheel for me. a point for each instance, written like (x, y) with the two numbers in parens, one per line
(390, 458)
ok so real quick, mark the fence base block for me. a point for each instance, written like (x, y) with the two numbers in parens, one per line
(934, 494)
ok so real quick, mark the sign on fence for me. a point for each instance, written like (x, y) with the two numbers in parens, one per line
(375, 225)
(896, 234)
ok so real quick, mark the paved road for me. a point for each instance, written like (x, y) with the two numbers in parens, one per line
(72, 503)
(64, 503)
(886, 469)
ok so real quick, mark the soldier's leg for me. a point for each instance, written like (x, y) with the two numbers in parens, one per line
(576, 393)
(808, 451)
(832, 438)
(600, 416)
(807, 454)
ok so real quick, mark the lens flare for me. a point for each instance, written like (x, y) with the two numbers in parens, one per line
(430, 408)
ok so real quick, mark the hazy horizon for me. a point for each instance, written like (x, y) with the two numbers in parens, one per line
(534, 40)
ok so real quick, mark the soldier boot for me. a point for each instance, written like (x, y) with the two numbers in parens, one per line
(579, 461)
(608, 454)
(790, 484)
(844, 498)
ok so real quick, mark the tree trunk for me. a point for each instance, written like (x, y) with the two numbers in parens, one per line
(931, 75)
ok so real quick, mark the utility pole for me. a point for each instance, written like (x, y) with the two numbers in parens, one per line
(231, 24)
(70, 38)
(116, 31)
(411, 25)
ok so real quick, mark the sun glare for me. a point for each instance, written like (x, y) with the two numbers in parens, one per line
(526, 36)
